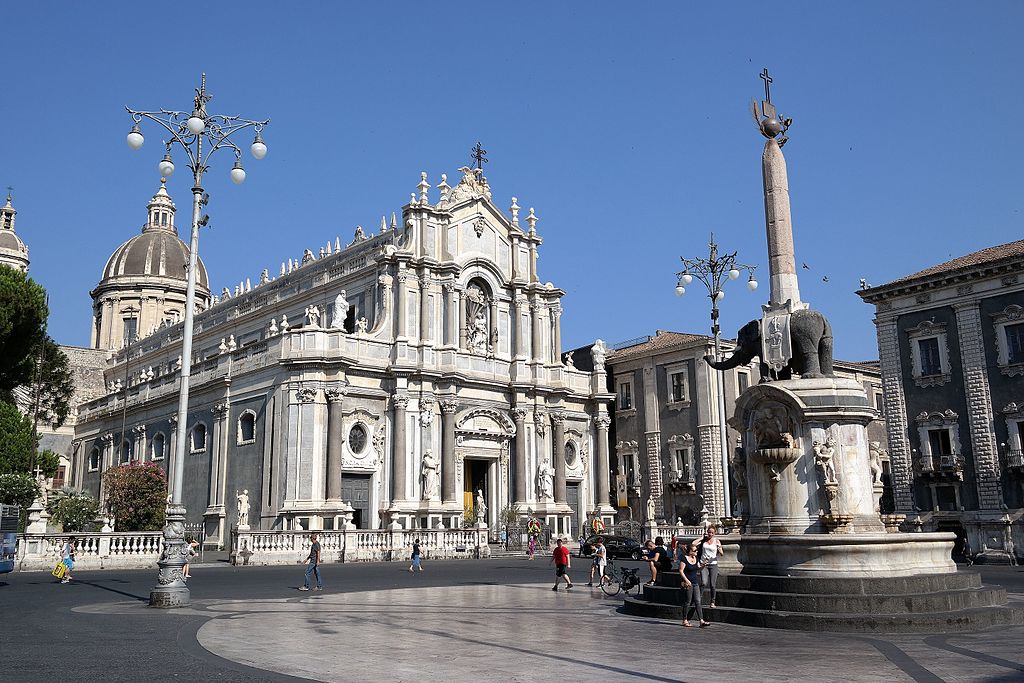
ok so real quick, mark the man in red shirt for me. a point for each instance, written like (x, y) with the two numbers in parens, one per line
(561, 559)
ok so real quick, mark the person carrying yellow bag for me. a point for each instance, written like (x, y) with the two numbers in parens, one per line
(60, 570)
(67, 555)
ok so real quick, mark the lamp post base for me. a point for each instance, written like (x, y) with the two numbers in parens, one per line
(171, 590)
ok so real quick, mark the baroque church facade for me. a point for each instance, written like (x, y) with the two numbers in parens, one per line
(412, 378)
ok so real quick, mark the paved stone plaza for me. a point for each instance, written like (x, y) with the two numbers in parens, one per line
(491, 620)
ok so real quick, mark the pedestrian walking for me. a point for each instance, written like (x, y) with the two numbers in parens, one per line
(314, 564)
(600, 562)
(709, 549)
(689, 571)
(192, 552)
(560, 557)
(67, 556)
(416, 555)
(531, 547)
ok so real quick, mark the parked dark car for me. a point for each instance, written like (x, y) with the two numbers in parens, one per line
(618, 547)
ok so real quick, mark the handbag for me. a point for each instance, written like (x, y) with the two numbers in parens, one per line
(60, 570)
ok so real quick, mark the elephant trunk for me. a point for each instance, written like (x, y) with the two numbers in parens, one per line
(738, 358)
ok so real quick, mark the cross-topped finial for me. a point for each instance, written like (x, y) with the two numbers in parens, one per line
(479, 155)
(767, 84)
(10, 191)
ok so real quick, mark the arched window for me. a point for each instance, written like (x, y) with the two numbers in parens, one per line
(94, 460)
(158, 446)
(246, 428)
(198, 444)
(126, 453)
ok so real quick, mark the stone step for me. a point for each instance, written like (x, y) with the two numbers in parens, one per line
(972, 619)
(811, 585)
(937, 601)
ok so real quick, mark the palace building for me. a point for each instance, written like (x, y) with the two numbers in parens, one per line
(411, 378)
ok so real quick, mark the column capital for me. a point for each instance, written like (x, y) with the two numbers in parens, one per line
(335, 395)
(519, 414)
(400, 401)
(557, 419)
(448, 407)
(602, 422)
(221, 410)
(307, 394)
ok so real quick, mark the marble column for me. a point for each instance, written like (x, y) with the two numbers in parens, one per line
(452, 321)
(558, 453)
(399, 492)
(602, 466)
(535, 330)
(448, 473)
(556, 343)
(520, 493)
(426, 332)
(335, 444)
(401, 304)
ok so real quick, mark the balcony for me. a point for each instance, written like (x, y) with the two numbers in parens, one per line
(1015, 459)
(681, 481)
(949, 465)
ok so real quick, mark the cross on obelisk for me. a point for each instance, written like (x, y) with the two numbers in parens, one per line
(479, 155)
(767, 84)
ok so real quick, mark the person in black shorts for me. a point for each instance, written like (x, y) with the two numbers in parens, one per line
(561, 559)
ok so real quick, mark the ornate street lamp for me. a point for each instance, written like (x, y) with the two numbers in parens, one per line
(713, 272)
(199, 134)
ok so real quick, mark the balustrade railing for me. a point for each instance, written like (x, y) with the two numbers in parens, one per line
(114, 549)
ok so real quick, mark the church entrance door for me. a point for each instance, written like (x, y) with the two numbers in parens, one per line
(355, 490)
(474, 478)
(572, 498)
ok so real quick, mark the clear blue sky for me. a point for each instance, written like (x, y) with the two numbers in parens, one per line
(625, 124)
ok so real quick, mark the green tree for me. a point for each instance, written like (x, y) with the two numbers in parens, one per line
(136, 496)
(23, 315)
(17, 440)
(74, 510)
(52, 385)
(18, 489)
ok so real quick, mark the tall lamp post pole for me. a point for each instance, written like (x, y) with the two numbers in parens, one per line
(713, 272)
(199, 134)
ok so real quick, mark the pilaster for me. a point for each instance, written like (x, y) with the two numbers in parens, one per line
(900, 462)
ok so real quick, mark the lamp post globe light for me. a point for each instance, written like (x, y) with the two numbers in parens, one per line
(713, 272)
(198, 134)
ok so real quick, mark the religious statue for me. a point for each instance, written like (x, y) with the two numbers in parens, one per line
(545, 479)
(361, 325)
(264, 276)
(341, 307)
(598, 353)
(242, 501)
(651, 509)
(478, 333)
(273, 328)
(284, 324)
(313, 316)
(481, 507)
(307, 256)
(569, 362)
(429, 473)
(823, 453)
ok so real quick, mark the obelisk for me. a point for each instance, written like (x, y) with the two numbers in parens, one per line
(778, 219)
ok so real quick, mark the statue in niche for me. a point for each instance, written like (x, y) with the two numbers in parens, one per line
(545, 479)
(429, 473)
(772, 429)
(823, 453)
(242, 502)
(340, 312)
(481, 507)
(479, 335)
(312, 316)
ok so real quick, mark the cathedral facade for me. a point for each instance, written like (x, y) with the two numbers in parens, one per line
(410, 378)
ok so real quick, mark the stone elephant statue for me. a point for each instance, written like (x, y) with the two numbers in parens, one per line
(811, 338)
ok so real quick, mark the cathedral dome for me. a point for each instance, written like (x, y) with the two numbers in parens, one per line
(155, 254)
(13, 251)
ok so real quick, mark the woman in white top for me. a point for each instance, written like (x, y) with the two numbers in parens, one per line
(600, 562)
(710, 550)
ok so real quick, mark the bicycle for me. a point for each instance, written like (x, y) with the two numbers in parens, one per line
(620, 578)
